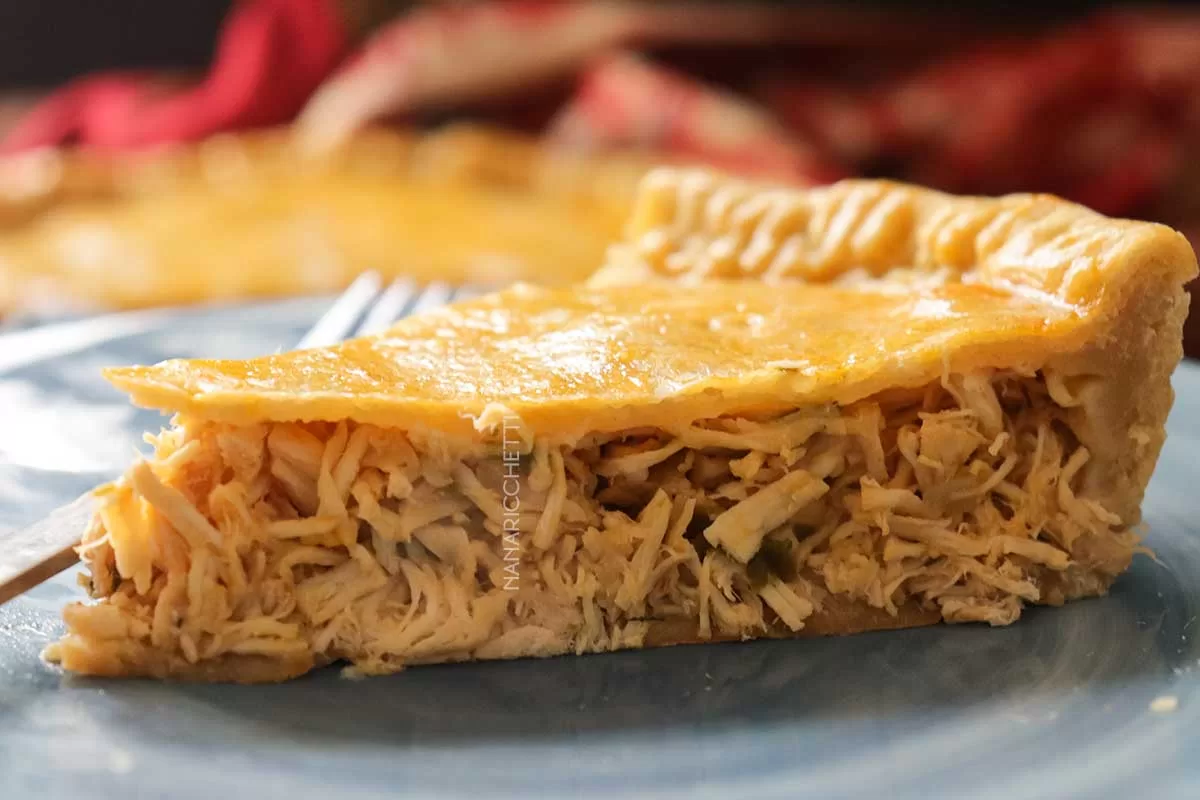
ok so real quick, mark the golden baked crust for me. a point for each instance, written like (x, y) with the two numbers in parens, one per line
(843, 445)
(573, 360)
(693, 225)
(249, 215)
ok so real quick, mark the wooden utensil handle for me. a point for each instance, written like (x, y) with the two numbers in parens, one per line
(31, 555)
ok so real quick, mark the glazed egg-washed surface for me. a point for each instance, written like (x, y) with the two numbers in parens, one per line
(574, 360)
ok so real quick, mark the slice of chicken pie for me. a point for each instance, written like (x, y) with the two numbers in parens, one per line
(956, 415)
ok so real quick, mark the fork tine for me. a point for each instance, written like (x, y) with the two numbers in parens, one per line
(473, 290)
(389, 307)
(435, 294)
(339, 321)
(363, 309)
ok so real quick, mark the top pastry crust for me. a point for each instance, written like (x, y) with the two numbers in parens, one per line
(692, 225)
(575, 360)
(1023, 282)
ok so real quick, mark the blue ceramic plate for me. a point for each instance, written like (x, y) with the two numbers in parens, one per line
(1058, 705)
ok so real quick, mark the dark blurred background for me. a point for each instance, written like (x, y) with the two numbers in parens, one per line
(46, 42)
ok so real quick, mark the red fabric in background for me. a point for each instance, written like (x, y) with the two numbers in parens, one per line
(271, 56)
(624, 101)
(1105, 110)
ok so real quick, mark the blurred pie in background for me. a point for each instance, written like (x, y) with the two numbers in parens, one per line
(250, 215)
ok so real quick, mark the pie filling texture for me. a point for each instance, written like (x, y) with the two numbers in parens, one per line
(309, 543)
(643, 463)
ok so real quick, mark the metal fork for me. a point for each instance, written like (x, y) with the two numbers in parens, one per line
(368, 307)
(35, 554)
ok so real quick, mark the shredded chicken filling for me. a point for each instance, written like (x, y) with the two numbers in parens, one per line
(358, 543)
